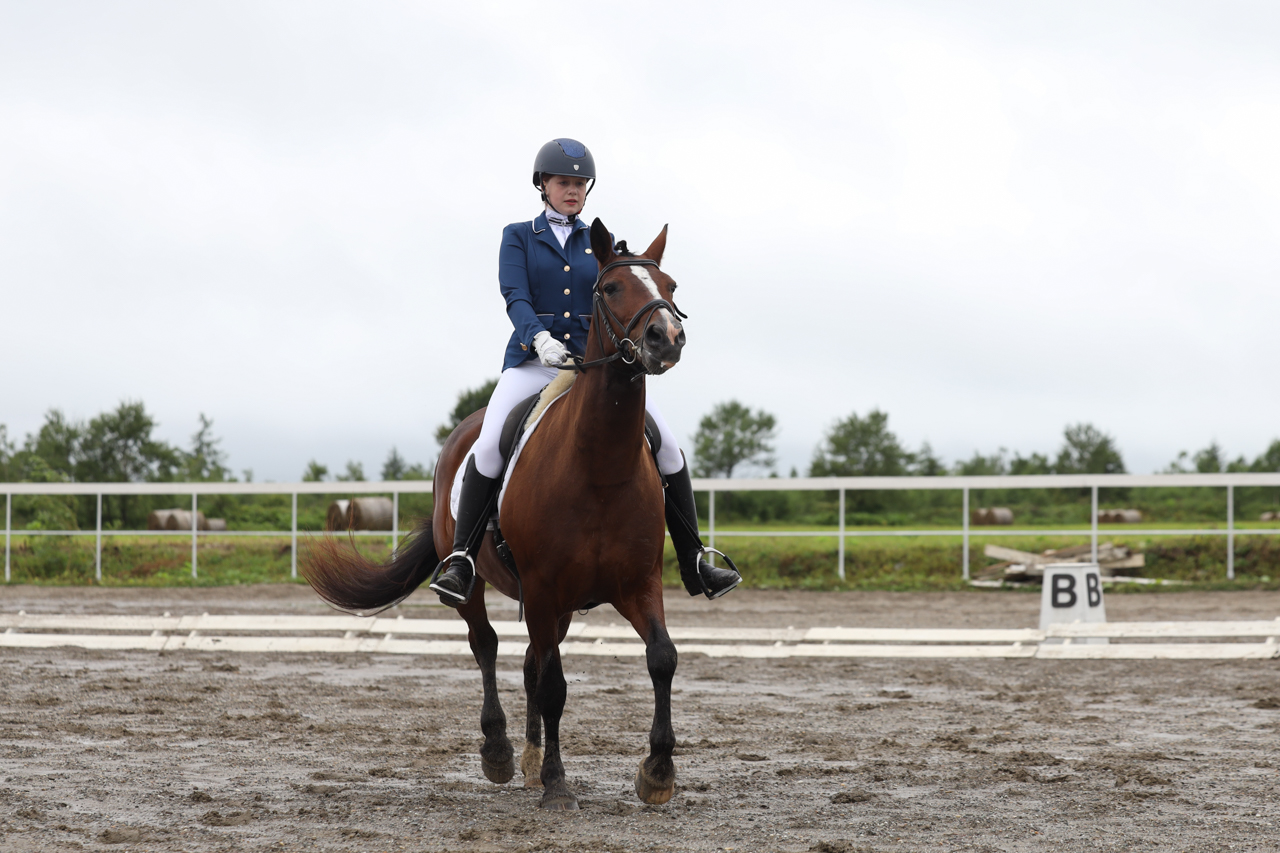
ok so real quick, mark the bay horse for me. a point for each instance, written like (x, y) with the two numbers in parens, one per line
(583, 517)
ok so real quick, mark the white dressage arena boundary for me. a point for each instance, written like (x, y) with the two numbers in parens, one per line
(381, 635)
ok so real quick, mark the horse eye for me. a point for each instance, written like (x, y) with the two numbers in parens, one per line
(610, 289)
(674, 286)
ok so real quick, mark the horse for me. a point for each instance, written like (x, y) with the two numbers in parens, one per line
(583, 517)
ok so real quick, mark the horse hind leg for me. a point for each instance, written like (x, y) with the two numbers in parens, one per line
(497, 758)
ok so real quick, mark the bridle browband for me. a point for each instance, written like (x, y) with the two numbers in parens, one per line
(602, 313)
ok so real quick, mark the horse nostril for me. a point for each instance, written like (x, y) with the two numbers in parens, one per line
(653, 335)
(680, 338)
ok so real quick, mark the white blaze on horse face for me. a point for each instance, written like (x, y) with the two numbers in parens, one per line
(652, 286)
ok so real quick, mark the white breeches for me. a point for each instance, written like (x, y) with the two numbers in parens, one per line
(518, 383)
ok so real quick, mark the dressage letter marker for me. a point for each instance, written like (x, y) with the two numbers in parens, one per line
(1072, 593)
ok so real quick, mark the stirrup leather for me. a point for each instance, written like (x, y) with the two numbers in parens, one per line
(441, 566)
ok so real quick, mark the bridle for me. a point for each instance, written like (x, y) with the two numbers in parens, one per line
(602, 315)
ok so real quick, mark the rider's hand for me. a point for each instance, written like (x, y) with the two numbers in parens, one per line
(550, 352)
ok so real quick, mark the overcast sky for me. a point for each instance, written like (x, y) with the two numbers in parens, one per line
(987, 219)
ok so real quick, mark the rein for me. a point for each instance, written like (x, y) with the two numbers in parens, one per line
(602, 315)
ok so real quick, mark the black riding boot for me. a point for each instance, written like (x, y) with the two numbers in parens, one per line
(456, 582)
(698, 575)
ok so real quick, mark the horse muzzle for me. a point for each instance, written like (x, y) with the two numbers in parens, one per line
(662, 343)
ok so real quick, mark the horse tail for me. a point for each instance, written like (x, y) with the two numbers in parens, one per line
(342, 576)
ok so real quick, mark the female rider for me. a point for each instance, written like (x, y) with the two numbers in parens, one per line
(546, 273)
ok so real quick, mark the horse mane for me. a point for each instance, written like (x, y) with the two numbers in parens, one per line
(622, 251)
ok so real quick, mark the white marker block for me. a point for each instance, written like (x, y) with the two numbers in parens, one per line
(1072, 593)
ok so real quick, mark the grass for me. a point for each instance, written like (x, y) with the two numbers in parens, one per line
(898, 563)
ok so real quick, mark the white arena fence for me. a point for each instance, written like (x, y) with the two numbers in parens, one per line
(840, 485)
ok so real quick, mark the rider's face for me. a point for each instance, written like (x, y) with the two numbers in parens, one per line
(566, 193)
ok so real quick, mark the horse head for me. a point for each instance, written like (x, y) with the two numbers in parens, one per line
(634, 302)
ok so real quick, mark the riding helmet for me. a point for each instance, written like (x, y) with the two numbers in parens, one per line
(563, 157)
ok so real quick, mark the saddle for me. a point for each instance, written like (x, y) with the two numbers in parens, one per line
(518, 421)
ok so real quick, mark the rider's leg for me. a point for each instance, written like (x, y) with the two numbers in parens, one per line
(480, 480)
(698, 575)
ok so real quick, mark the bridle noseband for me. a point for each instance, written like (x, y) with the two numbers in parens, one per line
(602, 315)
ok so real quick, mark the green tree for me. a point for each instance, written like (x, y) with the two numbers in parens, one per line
(733, 435)
(469, 400)
(394, 467)
(863, 447)
(205, 462)
(354, 473)
(1210, 460)
(7, 475)
(118, 447)
(1088, 450)
(860, 447)
(1269, 460)
(981, 465)
(926, 464)
(315, 472)
(1036, 463)
(57, 443)
(416, 471)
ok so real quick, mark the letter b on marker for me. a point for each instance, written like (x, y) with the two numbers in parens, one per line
(1093, 587)
(1064, 591)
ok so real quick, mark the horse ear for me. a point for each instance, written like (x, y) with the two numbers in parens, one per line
(657, 247)
(601, 242)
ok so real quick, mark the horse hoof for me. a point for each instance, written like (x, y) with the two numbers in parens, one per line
(498, 772)
(653, 794)
(559, 803)
(531, 766)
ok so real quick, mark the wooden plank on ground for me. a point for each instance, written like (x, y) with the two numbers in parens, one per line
(87, 622)
(1159, 651)
(924, 635)
(1156, 630)
(116, 642)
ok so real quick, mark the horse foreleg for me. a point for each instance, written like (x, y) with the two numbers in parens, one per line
(656, 778)
(550, 693)
(497, 759)
(531, 761)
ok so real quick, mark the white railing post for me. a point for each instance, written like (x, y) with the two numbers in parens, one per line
(840, 568)
(97, 549)
(8, 503)
(293, 548)
(1231, 533)
(711, 522)
(1093, 527)
(395, 521)
(965, 524)
(195, 524)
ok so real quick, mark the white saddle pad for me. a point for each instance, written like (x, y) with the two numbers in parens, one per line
(553, 392)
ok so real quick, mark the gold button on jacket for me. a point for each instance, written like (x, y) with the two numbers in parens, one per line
(566, 267)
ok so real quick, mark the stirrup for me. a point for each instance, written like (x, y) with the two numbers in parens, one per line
(442, 592)
(732, 567)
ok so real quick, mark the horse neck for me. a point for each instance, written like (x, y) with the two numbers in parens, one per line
(608, 419)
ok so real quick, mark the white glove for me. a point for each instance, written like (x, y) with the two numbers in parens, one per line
(551, 352)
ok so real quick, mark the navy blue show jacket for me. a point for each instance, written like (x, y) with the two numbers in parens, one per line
(546, 286)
